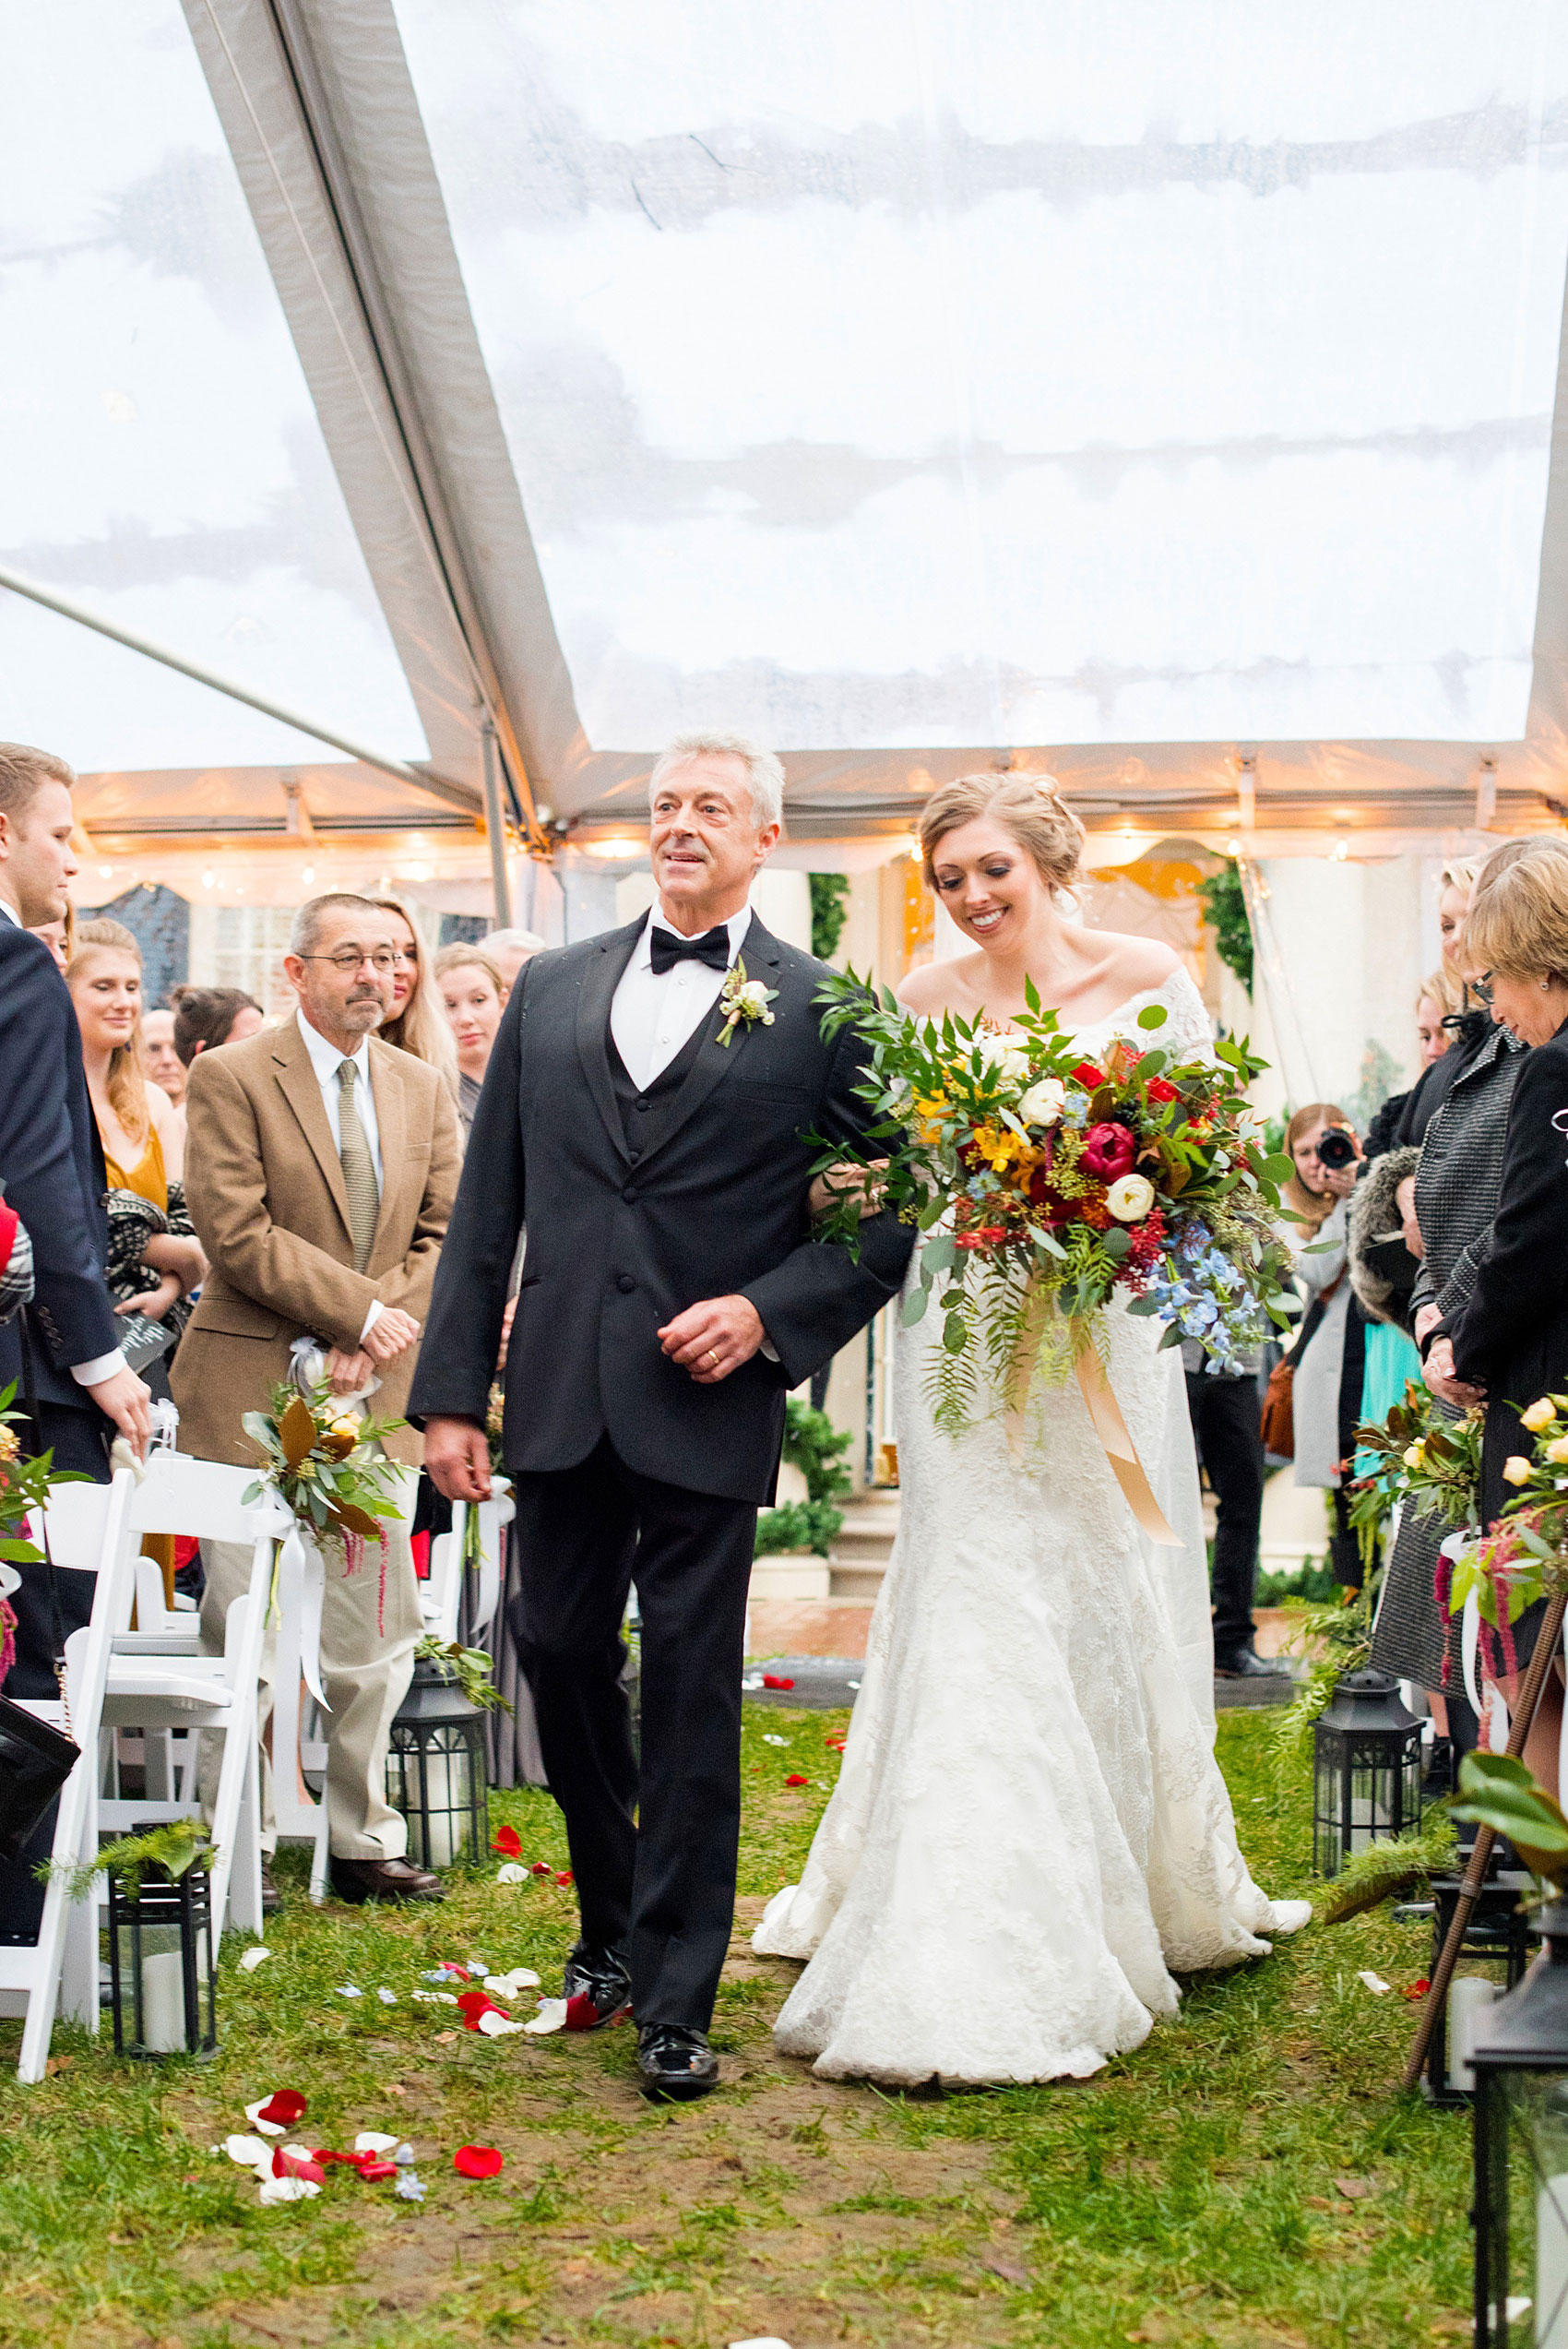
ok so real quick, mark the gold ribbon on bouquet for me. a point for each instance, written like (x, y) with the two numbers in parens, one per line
(1104, 1411)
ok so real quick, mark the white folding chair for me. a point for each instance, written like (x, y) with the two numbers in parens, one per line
(90, 1530)
(300, 1727)
(442, 1595)
(159, 1681)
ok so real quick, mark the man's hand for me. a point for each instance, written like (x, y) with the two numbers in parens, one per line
(1440, 1380)
(347, 1373)
(456, 1458)
(127, 1402)
(392, 1333)
(1427, 1318)
(713, 1339)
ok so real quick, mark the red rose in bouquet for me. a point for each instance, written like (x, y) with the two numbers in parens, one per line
(1109, 1152)
(1089, 1075)
(1161, 1088)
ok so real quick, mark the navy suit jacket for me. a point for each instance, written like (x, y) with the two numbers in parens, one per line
(52, 1165)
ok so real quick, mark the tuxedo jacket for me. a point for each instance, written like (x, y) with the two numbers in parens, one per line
(264, 1187)
(630, 1220)
(51, 1165)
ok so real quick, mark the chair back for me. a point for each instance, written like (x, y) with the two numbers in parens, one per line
(182, 1495)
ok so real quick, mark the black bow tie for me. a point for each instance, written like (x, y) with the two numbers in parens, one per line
(665, 949)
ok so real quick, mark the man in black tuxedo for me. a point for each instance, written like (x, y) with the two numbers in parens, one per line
(52, 1167)
(671, 1295)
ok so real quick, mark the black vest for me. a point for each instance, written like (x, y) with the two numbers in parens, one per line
(630, 1099)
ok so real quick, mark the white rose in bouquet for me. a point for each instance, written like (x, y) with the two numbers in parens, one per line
(1009, 1060)
(1044, 1102)
(1130, 1198)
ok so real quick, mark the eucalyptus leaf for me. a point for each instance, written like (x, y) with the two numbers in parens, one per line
(939, 1256)
(1171, 1338)
(1153, 1014)
(1117, 1242)
(1143, 1307)
(955, 1337)
(914, 1306)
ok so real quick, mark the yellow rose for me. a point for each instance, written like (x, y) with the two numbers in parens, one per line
(1541, 1413)
(346, 1426)
(9, 1448)
(1516, 1471)
(1414, 1455)
(1557, 1451)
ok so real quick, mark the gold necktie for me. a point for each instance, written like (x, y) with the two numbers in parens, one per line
(358, 1168)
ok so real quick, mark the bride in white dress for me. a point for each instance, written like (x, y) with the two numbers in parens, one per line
(1030, 1831)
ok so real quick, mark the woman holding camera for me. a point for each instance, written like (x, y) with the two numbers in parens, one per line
(1329, 1354)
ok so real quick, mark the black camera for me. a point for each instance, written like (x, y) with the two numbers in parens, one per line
(1335, 1147)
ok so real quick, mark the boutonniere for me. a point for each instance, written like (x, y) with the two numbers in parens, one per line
(743, 999)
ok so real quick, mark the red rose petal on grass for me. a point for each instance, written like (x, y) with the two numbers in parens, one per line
(541, 1867)
(565, 1877)
(471, 2004)
(508, 1843)
(772, 1680)
(289, 2165)
(284, 2107)
(797, 1777)
(373, 2172)
(477, 2161)
(1416, 1989)
(581, 2013)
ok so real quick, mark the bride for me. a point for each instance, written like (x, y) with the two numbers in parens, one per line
(1030, 1831)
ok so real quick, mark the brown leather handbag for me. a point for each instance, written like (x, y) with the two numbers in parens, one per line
(1279, 1420)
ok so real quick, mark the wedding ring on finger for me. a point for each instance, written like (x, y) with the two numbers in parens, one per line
(712, 1355)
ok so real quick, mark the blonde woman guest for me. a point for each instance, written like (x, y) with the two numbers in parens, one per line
(416, 1022)
(473, 996)
(152, 1264)
(509, 950)
(1402, 1121)
(1329, 1353)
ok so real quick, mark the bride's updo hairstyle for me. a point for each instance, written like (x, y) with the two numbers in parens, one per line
(1029, 807)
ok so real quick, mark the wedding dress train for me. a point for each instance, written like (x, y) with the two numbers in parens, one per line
(1029, 1830)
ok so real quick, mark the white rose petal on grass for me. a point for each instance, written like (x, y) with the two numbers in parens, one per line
(253, 1958)
(250, 2151)
(495, 2026)
(288, 2189)
(435, 1998)
(387, 1998)
(511, 1872)
(769, 1739)
(348, 1990)
(1374, 1983)
(375, 2141)
(552, 2016)
(508, 1987)
(1130, 1198)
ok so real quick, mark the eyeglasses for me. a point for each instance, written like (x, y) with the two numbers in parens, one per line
(1482, 988)
(382, 959)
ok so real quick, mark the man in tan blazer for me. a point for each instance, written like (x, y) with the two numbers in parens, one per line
(320, 1171)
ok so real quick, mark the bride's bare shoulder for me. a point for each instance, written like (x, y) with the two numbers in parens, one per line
(934, 987)
(1134, 965)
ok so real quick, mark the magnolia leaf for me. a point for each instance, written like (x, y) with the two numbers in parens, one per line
(296, 1432)
(257, 1428)
(351, 1519)
(1050, 1244)
(1153, 1014)
(914, 1306)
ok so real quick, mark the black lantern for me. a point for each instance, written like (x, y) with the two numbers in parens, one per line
(1366, 1770)
(162, 1980)
(436, 1771)
(1498, 1938)
(1519, 2055)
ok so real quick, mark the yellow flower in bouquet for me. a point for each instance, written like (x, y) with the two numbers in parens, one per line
(1541, 1413)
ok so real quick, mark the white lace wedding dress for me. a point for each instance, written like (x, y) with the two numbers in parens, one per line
(1029, 1830)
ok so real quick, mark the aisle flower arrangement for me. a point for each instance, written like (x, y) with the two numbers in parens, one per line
(1060, 1185)
(25, 1486)
(1524, 1554)
(322, 1461)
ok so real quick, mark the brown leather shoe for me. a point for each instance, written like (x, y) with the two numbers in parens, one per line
(384, 1880)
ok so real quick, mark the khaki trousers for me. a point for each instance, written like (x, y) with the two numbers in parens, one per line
(364, 1672)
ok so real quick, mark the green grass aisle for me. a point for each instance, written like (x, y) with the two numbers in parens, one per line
(1249, 2177)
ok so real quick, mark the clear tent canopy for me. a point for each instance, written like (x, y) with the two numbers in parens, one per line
(1168, 400)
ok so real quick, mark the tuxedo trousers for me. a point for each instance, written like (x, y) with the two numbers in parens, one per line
(653, 1849)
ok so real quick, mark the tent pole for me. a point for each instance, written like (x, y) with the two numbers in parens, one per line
(495, 830)
(455, 795)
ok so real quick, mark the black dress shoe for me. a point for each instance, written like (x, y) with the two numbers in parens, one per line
(675, 2064)
(1245, 1664)
(600, 1978)
(271, 1898)
(384, 1880)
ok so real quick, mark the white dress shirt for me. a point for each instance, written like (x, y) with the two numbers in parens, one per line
(104, 1366)
(326, 1060)
(651, 1017)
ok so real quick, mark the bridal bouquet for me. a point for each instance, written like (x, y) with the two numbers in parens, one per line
(1062, 1184)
